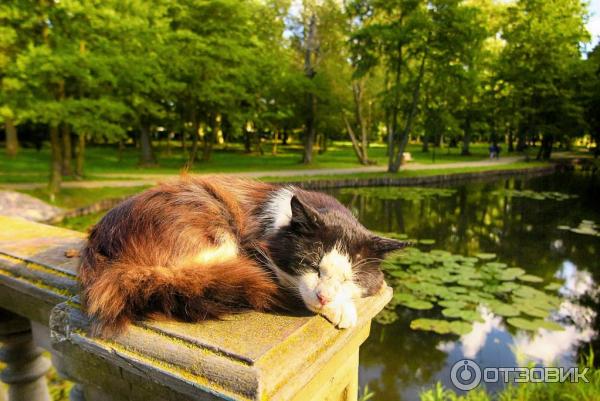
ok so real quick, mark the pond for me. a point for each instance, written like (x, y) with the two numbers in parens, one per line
(541, 311)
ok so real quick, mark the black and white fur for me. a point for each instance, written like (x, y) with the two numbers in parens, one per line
(321, 251)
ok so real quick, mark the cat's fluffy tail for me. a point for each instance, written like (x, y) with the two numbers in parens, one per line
(116, 293)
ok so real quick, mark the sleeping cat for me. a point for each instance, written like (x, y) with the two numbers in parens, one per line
(198, 248)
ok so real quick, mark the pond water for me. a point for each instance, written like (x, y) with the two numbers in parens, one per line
(516, 219)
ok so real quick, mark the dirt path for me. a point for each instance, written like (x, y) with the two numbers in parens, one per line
(137, 180)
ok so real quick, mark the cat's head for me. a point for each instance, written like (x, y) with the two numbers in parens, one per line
(327, 254)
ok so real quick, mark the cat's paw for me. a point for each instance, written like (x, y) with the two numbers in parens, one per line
(343, 315)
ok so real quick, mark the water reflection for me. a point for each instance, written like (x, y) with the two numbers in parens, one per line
(398, 363)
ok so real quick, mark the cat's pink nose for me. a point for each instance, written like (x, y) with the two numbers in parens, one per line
(323, 299)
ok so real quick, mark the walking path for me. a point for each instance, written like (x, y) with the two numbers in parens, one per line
(137, 180)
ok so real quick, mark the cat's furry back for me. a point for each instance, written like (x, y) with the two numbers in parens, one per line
(182, 249)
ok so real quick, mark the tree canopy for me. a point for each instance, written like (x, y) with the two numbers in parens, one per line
(208, 71)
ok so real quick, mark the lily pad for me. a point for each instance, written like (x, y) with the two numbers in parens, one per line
(523, 324)
(436, 325)
(459, 284)
(550, 325)
(486, 256)
(534, 325)
(418, 304)
(530, 278)
(511, 273)
(507, 286)
(469, 315)
(470, 283)
(398, 273)
(541, 195)
(553, 286)
(453, 304)
(459, 327)
(504, 310)
(533, 311)
(413, 194)
(586, 227)
(392, 235)
(404, 297)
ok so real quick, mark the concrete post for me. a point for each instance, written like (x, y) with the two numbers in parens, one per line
(26, 367)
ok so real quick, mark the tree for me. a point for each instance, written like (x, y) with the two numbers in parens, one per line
(395, 34)
(543, 42)
(18, 28)
(591, 96)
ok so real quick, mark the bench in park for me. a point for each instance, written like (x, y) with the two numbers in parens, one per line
(252, 356)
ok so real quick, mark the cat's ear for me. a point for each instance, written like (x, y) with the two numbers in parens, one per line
(303, 215)
(384, 246)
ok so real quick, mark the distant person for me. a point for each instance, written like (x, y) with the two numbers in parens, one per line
(492, 151)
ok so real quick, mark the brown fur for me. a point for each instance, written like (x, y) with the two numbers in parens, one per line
(139, 259)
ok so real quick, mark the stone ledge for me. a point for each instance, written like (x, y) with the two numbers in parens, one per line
(248, 356)
(251, 356)
(419, 180)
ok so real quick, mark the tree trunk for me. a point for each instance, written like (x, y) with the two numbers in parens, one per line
(425, 148)
(209, 137)
(309, 130)
(12, 139)
(467, 132)
(321, 143)
(258, 143)
(80, 155)
(521, 145)
(56, 162)
(355, 144)
(195, 132)
(67, 150)
(183, 144)
(120, 149)
(147, 157)
(275, 142)
(284, 141)
(247, 139)
(169, 143)
(361, 122)
(311, 100)
(393, 124)
(410, 119)
(546, 147)
(467, 137)
(511, 146)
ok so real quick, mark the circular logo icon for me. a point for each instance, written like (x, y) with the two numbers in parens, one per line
(465, 375)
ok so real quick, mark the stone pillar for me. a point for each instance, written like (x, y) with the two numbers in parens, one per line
(25, 366)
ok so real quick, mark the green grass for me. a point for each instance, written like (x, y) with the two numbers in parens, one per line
(32, 166)
(567, 391)
(81, 223)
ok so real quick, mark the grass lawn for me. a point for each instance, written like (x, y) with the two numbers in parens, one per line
(32, 166)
